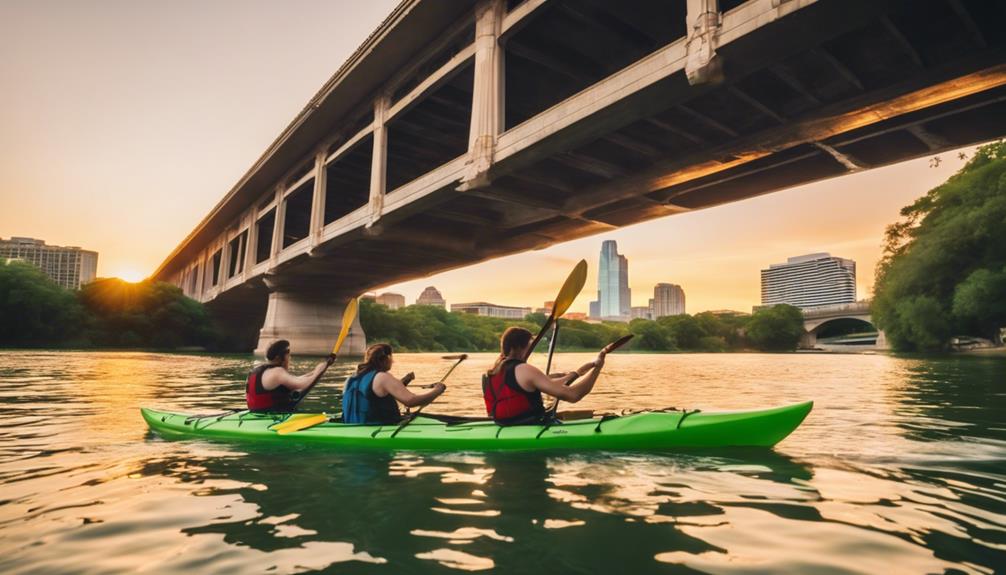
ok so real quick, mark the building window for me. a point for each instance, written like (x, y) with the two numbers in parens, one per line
(264, 231)
(297, 223)
(216, 268)
(236, 253)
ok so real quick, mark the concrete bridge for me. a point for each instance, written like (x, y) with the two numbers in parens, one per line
(816, 318)
(466, 130)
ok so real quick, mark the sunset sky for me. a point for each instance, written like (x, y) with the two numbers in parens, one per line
(122, 123)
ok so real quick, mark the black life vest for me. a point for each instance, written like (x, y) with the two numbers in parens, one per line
(506, 401)
(262, 399)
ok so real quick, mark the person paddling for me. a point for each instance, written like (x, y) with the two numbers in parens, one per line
(372, 395)
(512, 388)
(270, 385)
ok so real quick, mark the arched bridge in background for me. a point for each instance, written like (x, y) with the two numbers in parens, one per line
(471, 129)
(815, 319)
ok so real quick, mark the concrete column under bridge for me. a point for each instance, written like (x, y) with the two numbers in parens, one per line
(310, 321)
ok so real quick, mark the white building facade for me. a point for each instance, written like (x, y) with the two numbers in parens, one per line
(810, 280)
(491, 310)
(70, 267)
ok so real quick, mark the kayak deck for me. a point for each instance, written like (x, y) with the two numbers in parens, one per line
(658, 430)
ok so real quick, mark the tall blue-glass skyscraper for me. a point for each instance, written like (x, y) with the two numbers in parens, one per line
(613, 294)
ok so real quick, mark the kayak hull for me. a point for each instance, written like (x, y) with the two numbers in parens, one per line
(673, 430)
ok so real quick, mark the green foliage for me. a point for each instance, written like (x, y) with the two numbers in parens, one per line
(777, 328)
(651, 335)
(944, 266)
(145, 314)
(428, 328)
(34, 310)
(432, 328)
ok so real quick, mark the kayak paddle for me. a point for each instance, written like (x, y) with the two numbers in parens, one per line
(296, 424)
(606, 349)
(460, 357)
(300, 421)
(570, 289)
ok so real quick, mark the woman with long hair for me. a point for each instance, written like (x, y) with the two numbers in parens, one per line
(512, 388)
(372, 395)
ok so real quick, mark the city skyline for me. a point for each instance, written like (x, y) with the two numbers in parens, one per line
(89, 108)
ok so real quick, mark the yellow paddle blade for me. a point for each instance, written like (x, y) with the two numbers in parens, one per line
(300, 421)
(570, 289)
(347, 321)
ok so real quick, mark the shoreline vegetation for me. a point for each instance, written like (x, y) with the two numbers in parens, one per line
(111, 313)
(423, 328)
(943, 269)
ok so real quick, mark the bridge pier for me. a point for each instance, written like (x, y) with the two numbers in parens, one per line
(310, 322)
(808, 340)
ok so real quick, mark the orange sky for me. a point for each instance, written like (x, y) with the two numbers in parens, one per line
(122, 123)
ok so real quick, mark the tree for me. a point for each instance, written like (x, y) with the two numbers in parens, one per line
(945, 258)
(651, 335)
(34, 310)
(144, 314)
(777, 328)
(980, 302)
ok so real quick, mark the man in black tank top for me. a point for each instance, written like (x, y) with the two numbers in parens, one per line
(276, 375)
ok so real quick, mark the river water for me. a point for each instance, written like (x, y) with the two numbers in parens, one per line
(900, 468)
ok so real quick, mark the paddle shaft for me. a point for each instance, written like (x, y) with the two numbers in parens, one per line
(417, 412)
(446, 375)
(551, 346)
(348, 316)
(606, 349)
(303, 393)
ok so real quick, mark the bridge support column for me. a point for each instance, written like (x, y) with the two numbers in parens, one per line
(310, 322)
(881, 340)
(487, 94)
(703, 65)
(808, 340)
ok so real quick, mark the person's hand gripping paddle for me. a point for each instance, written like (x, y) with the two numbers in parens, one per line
(303, 421)
(605, 350)
(459, 357)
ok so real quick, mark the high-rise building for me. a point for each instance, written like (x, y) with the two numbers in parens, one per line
(668, 299)
(613, 293)
(431, 296)
(810, 280)
(491, 310)
(392, 300)
(641, 312)
(70, 267)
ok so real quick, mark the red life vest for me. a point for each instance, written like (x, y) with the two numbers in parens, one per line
(506, 401)
(262, 399)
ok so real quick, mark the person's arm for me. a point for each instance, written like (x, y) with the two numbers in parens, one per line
(391, 385)
(274, 378)
(557, 387)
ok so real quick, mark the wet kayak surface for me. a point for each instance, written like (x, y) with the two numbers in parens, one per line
(900, 467)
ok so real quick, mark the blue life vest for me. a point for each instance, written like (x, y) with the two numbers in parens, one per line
(355, 399)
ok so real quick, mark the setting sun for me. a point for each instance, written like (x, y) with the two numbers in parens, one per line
(130, 275)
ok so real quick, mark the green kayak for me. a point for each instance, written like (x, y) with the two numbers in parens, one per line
(655, 430)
